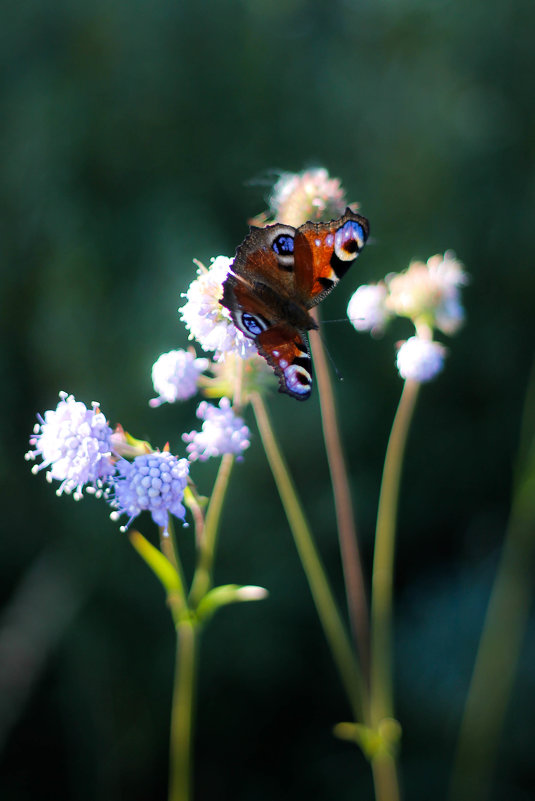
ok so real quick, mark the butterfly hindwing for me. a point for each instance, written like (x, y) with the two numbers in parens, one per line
(283, 347)
(286, 350)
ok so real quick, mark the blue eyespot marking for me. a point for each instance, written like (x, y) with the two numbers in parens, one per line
(252, 324)
(349, 240)
(283, 245)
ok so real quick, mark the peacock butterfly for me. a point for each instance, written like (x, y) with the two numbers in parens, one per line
(278, 274)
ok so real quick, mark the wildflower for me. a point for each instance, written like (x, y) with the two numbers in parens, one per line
(309, 195)
(175, 376)
(420, 359)
(207, 321)
(153, 482)
(222, 432)
(75, 443)
(366, 308)
(429, 293)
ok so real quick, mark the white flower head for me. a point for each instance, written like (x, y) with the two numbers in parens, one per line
(448, 275)
(153, 482)
(207, 321)
(308, 195)
(222, 432)
(429, 292)
(175, 376)
(420, 359)
(366, 308)
(74, 443)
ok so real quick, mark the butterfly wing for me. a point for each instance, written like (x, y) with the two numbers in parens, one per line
(282, 345)
(286, 350)
(323, 253)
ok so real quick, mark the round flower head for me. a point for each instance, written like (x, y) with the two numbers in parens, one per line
(222, 432)
(420, 359)
(175, 375)
(153, 482)
(309, 195)
(366, 308)
(207, 321)
(429, 292)
(74, 442)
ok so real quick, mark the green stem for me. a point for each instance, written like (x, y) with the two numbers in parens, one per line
(202, 580)
(503, 631)
(181, 744)
(169, 547)
(345, 517)
(385, 777)
(383, 562)
(384, 767)
(331, 621)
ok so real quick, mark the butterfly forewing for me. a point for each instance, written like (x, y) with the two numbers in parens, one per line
(324, 252)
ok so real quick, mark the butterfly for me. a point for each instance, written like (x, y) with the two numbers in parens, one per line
(279, 273)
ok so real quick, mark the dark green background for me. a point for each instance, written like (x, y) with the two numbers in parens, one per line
(136, 136)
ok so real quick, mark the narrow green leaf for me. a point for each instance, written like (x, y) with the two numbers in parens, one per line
(158, 563)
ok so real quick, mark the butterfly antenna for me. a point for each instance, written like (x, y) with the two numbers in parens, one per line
(337, 372)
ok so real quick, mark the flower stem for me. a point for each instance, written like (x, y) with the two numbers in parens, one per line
(347, 535)
(202, 580)
(383, 562)
(384, 767)
(329, 615)
(181, 745)
(504, 629)
(168, 546)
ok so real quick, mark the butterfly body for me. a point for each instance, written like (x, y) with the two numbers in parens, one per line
(279, 273)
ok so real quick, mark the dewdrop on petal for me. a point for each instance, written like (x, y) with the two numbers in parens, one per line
(222, 432)
(175, 376)
(153, 482)
(366, 308)
(207, 321)
(74, 443)
(420, 359)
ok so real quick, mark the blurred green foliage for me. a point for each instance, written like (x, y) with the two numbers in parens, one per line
(136, 137)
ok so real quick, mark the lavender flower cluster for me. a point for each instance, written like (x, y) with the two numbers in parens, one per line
(77, 447)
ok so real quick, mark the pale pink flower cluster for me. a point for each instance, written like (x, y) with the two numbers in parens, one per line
(308, 195)
(426, 293)
(429, 293)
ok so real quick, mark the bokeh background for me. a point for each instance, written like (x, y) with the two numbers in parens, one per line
(137, 136)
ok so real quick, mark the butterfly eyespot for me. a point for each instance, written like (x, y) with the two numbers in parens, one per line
(349, 240)
(251, 325)
(298, 380)
(283, 245)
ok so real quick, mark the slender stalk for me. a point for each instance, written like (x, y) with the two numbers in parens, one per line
(181, 743)
(503, 631)
(385, 777)
(202, 580)
(168, 546)
(197, 513)
(345, 517)
(383, 563)
(329, 615)
(384, 767)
